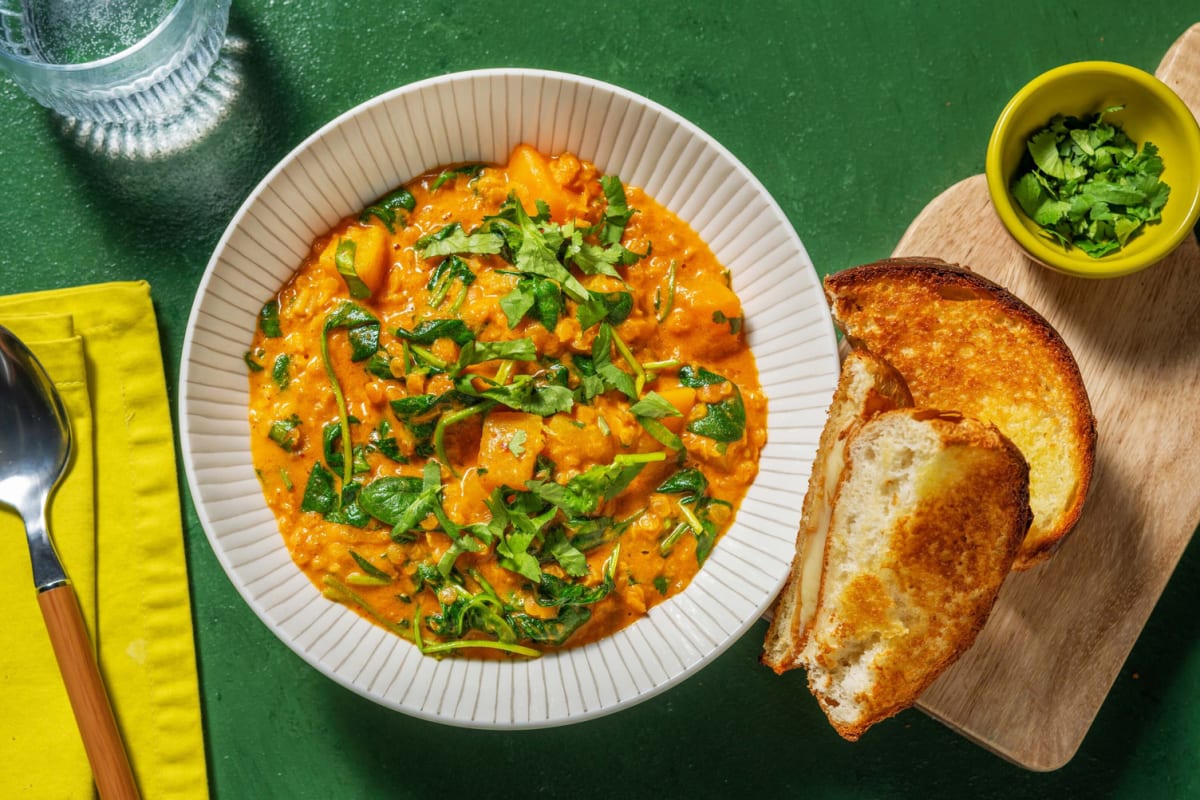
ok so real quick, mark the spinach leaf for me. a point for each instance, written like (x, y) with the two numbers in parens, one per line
(361, 326)
(587, 533)
(254, 366)
(444, 274)
(406, 408)
(349, 512)
(383, 441)
(470, 170)
(430, 331)
(331, 437)
(268, 320)
(319, 494)
(724, 421)
(279, 372)
(553, 631)
(554, 591)
(389, 499)
(370, 569)
(685, 481)
(343, 260)
(282, 430)
(388, 208)
(380, 365)
(696, 377)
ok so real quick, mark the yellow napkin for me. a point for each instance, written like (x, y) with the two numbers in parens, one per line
(115, 520)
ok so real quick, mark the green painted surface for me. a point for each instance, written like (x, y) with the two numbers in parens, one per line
(854, 115)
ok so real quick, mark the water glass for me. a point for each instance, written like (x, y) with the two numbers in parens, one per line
(111, 61)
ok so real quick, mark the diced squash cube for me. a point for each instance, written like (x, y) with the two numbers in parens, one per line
(370, 253)
(683, 398)
(509, 448)
(534, 179)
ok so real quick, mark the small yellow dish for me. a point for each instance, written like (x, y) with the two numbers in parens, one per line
(1152, 112)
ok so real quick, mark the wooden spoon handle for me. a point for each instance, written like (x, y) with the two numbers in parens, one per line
(89, 700)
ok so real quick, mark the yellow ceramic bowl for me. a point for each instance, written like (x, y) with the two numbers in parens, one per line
(1152, 113)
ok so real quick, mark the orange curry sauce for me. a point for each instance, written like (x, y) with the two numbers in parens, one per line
(682, 333)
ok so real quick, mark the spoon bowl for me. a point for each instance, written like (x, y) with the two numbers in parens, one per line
(35, 451)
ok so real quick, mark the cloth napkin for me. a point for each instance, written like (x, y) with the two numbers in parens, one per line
(116, 524)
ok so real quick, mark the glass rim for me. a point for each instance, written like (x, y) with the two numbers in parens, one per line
(35, 66)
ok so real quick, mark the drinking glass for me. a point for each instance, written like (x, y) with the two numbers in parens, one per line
(111, 61)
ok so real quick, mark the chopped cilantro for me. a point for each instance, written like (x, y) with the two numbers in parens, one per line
(1087, 185)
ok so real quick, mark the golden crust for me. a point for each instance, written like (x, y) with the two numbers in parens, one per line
(867, 386)
(923, 600)
(965, 343)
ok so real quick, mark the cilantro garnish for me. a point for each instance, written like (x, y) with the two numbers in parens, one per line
(1087, 185)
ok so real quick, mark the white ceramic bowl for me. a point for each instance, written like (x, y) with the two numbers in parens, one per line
(481, 116)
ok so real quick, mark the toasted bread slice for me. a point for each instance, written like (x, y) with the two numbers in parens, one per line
(964, 343)
(927, 519)
(867, 386)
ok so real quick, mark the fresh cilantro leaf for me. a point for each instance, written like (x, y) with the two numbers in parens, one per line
(655, 406)
(452, 240)
(563, 551)
(582, 494)
(1087, 185)
(517, 303)
(618, 212)
(611, 307)
(516, 444)
(613, 376)
(536, 252)
(532, 396)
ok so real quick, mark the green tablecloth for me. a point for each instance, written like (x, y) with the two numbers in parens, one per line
(854, 115)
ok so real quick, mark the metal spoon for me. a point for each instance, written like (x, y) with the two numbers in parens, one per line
(35, 448)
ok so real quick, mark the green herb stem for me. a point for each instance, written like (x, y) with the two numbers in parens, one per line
(639, 374)
(447, 420)
(343, 415)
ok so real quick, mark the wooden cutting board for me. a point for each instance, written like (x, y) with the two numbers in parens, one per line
(1032, 684)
